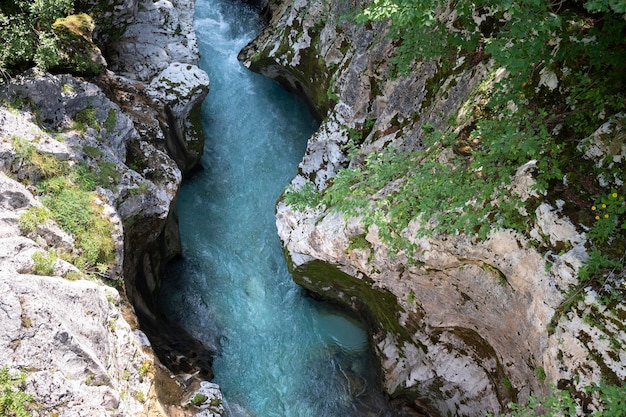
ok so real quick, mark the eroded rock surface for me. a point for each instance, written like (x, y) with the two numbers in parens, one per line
(130, 135)
(466, 326)
(82, 356)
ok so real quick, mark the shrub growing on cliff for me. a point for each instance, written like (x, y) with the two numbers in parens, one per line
(26, 32)
(610, 398)
(68, 197)
(77, 212)
(36, 33)
(560, 75)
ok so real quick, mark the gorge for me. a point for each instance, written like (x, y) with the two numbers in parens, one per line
(277, 352)
(524, 299)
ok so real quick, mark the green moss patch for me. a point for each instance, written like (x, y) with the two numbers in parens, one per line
(378, 308)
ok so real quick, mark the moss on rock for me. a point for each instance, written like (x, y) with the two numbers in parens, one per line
(78, 52)
(378, 308)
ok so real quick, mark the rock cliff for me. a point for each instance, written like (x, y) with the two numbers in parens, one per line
(90, 173)
(462, 326)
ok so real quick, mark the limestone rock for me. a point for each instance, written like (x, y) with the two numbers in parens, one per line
(180, 86)
(462, 327)
(80, 355)
(78, 340)
(157, 34)
(607, 147)
(208, 399)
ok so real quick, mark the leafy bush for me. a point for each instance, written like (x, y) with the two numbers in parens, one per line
(610, 216)
(76, 212)
(303, 197)
(14, 402)
(111, 121)
(33, 217)
(44, 263)
(26, 32)
(559, 403)
(68, 197)
(86, 118)
(563, 76)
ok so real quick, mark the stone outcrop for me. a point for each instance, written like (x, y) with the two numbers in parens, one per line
(134, 130)
(466, 326)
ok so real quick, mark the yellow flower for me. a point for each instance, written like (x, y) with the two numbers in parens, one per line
(603, 205)
(597, 217)
(614, 195)
(593, 208)
(606, 216)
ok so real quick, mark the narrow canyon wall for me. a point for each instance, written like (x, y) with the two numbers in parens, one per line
(466, 326)
(135, 128)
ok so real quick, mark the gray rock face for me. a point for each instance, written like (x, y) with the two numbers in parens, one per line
(156, 56)
(77, 340)
(462, 330)
(81, 355)
(156, 34)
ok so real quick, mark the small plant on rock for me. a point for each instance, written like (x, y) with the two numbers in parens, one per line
(199, 399)
(44, 262)
(14, 402)
(302, 197)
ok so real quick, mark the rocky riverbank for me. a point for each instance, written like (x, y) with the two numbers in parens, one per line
(462, 326)
(90, 172)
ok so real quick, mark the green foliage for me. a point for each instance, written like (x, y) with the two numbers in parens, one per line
(568, 61)
(359, 242)
(111, 120)
(556, 404)
(618, 6)
(26, 33)
(140, 396)
(199, 399)
(610, 217)
(564, 75)
(92, 151)
(86, 118)
(76, 212)
(33, 217)
(44, 263)
(46, 164)
(541, 374)
(145, 367)
(68, 197)
(612, 399)
(14, 402)
(109, 175)
(77, 52)
(85, 177)
(303, 197)
(47, 53)
(451, 196)
(410, 297)
(141, 189)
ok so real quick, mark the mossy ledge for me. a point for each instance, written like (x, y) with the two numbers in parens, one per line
(377, 308)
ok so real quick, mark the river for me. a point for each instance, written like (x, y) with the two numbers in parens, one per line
(278, 352)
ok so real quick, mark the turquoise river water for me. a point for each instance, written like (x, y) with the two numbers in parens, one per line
(278, 352)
